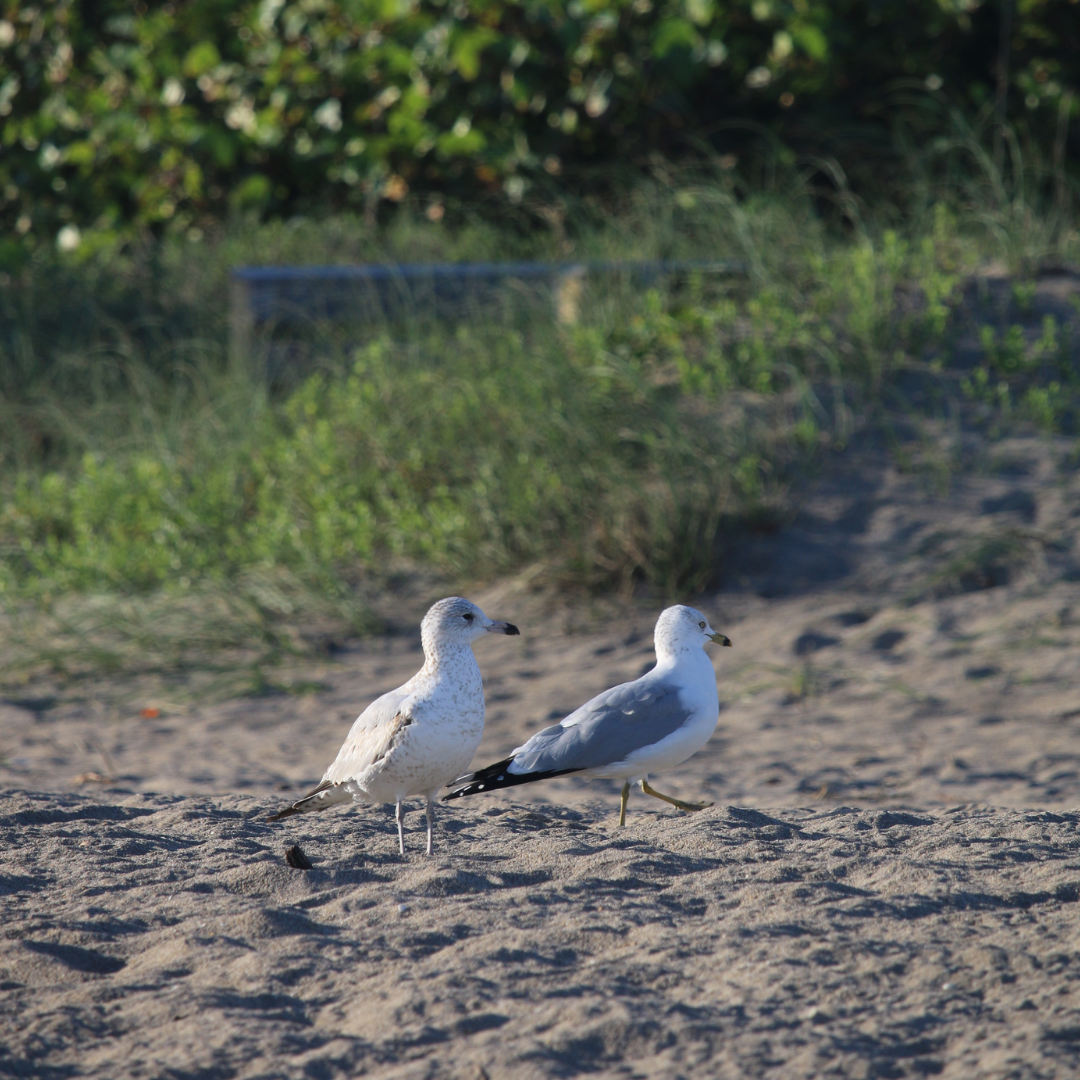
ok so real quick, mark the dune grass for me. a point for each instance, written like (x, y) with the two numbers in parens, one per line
(141, 464)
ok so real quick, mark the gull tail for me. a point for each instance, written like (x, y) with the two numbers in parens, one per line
(327, 794)
(498, 776)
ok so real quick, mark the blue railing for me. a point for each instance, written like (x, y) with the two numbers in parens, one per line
(284, 296)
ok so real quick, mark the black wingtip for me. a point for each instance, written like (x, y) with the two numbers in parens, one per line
(512, 630)
(492, 776)
(460, 793)
(498, 776)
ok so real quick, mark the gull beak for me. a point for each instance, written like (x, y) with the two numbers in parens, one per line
(502, 628)
(720, 639)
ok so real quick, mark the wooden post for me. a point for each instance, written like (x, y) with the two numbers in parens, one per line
(241, 321)
(569, 285)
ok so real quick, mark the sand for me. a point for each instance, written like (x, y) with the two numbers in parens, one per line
(886, 886)
(166, 936)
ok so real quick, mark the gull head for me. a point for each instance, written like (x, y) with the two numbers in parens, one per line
(680, 628)
(457, 621)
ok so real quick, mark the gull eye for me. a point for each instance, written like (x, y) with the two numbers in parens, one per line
(469, 616)
(702, 625)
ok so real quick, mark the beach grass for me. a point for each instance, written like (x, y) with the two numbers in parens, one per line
(143, 466)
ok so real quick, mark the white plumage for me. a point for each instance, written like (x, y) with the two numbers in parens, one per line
(413, 740)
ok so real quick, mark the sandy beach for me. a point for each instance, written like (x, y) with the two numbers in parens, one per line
(885, 887)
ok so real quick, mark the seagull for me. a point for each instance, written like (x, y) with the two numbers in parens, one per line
(631, 730)
(412, 740)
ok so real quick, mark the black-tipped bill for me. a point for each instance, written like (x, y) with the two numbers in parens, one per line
(502, 628)
(720, 639)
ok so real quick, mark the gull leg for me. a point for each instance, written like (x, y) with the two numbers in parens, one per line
(622, 802)
(401, 827)
(649, 790)
(430, 822)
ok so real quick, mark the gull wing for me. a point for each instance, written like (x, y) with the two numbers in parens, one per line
(373, 735)
(605, 730)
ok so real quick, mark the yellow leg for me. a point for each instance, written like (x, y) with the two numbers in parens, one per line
(689, 806)
(622, 802)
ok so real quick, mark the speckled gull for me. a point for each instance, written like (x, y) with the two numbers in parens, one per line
(413, 740)
(629, 731)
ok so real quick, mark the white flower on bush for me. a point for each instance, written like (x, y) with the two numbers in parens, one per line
(7, 33)
(49, 156)
(758, 77)
(715, 53)
(68, 238)
(172, 93)
(596, 102)
(268, 12)
(782, 45)
(328, 114)
(388, 96)
(240, 116)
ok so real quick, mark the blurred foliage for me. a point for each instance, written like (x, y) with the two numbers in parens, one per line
(612, 452)
(157, 118)
(592, 464)
(162, 506)
(1033, 377)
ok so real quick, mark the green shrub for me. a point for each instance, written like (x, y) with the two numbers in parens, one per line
(117, 119)
(500, 452)
(613, 451)
(137, 460)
